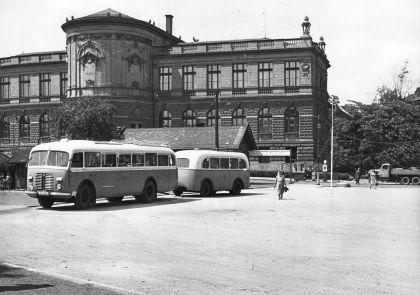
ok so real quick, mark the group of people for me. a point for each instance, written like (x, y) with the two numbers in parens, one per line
(372, 175)
(5, 181)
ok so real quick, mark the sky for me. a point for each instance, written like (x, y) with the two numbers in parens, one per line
(367, 41)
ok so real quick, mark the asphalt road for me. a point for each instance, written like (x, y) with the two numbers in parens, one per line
(315, 241)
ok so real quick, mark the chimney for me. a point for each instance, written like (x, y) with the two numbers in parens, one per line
(169, 18)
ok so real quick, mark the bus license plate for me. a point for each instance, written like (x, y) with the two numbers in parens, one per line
(43, 193)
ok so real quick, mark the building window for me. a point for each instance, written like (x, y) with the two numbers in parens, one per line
(291, 120)
(188, 78)
(44, 85)
(238, 79)
(24, 83)
(265, 70)
(24, 127)
(291, 69)
(213, 78)
(264, 124)
(4, 130)
(165, 119)
(63, 84)
(211, 118)
(189, 118)
(44, 126)
(165, 78)
(4, 88)
(238, 117)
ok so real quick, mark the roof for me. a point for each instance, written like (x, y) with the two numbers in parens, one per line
(70, 146)
(185, 138)
(340, 112)
(107, 12)
(20, 156)
(4, 158)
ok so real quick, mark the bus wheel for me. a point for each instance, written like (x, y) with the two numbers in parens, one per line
(236, 187)
(115, 199)
(84, 196)
(149, 192)
(45, 202)
(415, 180)
(405, 180)
(178, 191)
(206, 188)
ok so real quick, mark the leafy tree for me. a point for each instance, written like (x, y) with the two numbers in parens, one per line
(385, 131)
(85, 118)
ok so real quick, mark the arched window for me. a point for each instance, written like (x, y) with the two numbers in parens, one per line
(211, 118)
(291, 121)
(189, 118)
(44, 126)
(24, 127)
(4, 130)
(238, 117)
(165, 119)
(265, 122)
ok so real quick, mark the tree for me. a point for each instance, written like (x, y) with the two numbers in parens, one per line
(85, 118)
(385, 131)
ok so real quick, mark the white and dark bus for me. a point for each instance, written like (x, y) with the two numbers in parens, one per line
(208, 171)
(82, 171)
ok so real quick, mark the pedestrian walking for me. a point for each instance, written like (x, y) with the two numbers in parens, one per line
(280, 184)
(357, 176)
(373, 181)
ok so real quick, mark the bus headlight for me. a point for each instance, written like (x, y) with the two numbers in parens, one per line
(59, 186)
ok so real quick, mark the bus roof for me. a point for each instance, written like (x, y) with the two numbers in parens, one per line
(195, 154)
(71, 146)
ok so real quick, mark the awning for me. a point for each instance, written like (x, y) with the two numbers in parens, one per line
(269, 153)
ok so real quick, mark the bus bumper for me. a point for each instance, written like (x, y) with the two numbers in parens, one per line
(55, 195)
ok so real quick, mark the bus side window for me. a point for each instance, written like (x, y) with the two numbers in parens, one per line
(172, 161)
(109, 160)
(224, 163)
(77, 160)
(206, 164)
(234, 163)
(92, 159)
(163, 160)
(151, 159)
(242, 164)
(214, 163)
(124, 160)
(138, 160)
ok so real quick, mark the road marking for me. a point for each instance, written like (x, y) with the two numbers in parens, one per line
(72, 279)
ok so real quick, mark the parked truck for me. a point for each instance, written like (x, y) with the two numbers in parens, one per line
(401, 175)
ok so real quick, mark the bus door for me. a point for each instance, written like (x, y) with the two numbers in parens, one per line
(225, 177)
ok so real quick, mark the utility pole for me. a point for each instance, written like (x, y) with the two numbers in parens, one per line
(317, 156)
(333, 101)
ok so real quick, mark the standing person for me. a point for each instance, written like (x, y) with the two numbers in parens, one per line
(280, 184)
(357, 176)
(372, 179)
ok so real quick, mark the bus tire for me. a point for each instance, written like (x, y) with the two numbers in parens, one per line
(415, 180)
(45, 202)
(405, 180)
(84, 197)
(149, 192)
(178, 191)
(236, 187)
(115, 199)
(206, 188)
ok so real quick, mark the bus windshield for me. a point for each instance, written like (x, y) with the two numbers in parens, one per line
(51, 158)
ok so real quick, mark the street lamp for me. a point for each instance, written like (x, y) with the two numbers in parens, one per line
(333, 100)
(216, 125)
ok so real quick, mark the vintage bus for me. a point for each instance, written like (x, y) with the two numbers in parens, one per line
(82, 171)
(207, 172)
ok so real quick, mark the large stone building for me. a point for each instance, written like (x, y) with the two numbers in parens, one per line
(277, 86)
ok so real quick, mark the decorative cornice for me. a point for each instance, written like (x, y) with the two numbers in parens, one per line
(107, 36)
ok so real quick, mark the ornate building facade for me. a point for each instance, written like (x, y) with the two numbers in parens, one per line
(277, 86)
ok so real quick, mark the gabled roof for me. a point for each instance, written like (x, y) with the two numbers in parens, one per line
(20, 156)
(182, 138)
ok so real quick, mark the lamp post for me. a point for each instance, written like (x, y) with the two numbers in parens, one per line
(216, 125)
(317, 156)
(333, 100)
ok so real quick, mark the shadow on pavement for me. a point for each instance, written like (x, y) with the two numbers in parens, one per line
(123, 205)
(23, 287)
(7, 272)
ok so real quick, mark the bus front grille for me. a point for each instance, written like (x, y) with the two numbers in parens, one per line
(44, 181)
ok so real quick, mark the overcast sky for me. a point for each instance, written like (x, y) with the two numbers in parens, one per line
(367, 41)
